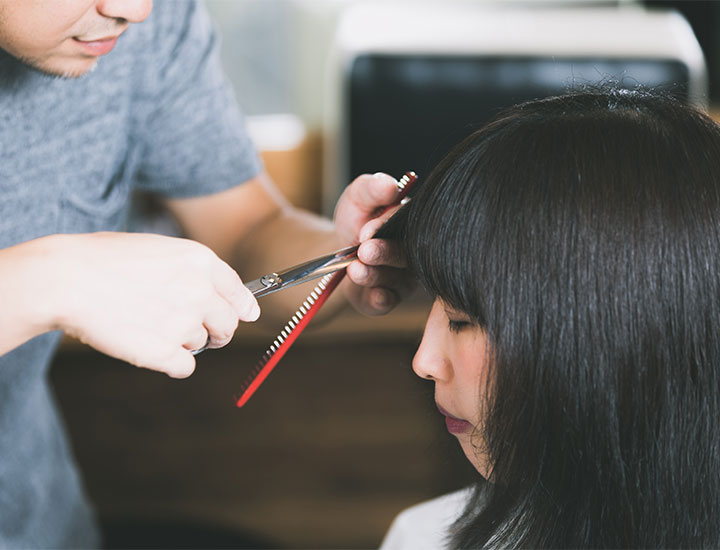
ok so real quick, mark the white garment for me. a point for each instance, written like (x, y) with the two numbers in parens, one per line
(426, 526)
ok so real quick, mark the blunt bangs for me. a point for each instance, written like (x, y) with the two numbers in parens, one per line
(440, 236)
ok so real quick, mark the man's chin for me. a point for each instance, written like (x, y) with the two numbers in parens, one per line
(62, 69)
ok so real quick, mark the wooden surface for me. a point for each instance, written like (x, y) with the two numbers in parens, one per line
(339, 439)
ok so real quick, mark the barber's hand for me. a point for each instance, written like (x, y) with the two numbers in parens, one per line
(148, 299)
(378, 280)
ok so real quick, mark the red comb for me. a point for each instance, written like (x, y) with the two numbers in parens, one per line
(303, 315)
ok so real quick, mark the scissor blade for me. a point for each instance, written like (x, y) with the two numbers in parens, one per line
(304, 272)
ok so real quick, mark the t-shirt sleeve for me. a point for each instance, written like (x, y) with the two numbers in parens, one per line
(189, 133)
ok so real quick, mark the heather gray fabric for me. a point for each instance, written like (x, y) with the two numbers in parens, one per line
(157, 115)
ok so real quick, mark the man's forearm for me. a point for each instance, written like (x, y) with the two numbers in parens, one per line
(25, 281)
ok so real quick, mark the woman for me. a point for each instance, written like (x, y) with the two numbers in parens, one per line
(573, 249)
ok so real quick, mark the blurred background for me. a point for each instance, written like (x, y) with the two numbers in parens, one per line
(343, 436)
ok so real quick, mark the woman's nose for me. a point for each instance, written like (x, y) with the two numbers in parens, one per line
(134, 11)
(431, 361)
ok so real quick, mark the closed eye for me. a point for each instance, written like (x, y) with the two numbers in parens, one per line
(457, 325)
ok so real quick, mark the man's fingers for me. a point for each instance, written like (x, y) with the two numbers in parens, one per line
(382, 300)
(368, 192)
(154, 351)
(197, 340)
(363, 199)
(228, 284)
(220, 323)
(180, 364)
(380, 252)
(372, 301)
(379, 276)
(369, 229)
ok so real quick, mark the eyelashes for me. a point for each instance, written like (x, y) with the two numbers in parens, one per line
(458, 325)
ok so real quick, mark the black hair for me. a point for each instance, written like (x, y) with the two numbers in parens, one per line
(582, 232)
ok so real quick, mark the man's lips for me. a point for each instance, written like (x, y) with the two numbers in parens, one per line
(97, 46)
(454, 424)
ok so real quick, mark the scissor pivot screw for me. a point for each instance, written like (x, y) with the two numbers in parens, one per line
(270, 280)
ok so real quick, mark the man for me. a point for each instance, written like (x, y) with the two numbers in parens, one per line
(77, 135)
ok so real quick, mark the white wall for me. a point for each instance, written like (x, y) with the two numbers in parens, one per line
(274, 52)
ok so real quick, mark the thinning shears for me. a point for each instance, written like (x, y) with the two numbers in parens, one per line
(301, 273)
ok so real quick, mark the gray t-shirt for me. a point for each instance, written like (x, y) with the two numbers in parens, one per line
(156, 115)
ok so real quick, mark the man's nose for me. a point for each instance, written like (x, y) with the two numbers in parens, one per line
(134, 11)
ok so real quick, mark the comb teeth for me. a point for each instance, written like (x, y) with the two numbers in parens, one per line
(298, 315)
(285, 333)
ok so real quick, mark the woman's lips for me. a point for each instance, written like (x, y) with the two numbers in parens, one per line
(454, 425)
(97, 47)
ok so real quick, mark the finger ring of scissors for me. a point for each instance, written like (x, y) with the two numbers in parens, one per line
(200, 350)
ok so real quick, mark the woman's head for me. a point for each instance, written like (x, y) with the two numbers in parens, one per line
(580, 237)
